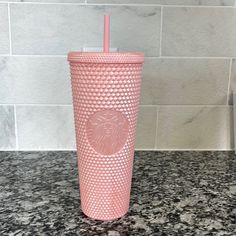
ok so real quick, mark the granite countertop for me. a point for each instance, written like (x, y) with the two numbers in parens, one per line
(173, 193)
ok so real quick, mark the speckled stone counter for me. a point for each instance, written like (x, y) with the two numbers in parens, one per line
(173, 193)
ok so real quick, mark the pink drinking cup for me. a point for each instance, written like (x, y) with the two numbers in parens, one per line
(106, 94)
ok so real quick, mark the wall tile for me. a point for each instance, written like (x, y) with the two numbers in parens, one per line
(185, 81)
(4, 30)
(169, 2)
(232, 82)
(146, 128)
(34, 80)
(45, 128)
(135, 29)
(195, 128)
(199, 32)
(57, 29)
(7, 128)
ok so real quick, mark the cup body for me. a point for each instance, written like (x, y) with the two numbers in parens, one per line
(106, 94)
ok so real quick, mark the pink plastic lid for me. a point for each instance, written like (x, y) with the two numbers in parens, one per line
(102, 57)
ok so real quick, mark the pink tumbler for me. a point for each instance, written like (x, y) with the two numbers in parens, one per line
(106, 93)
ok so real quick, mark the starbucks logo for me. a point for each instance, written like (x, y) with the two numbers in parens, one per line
(107, 131)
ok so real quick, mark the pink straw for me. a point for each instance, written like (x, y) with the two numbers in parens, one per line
(106, 39)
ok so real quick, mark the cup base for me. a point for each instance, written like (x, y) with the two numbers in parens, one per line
(105, 219)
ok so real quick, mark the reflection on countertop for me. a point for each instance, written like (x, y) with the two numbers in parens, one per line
(173, 193)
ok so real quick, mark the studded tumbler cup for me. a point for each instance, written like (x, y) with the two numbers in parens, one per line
(106, 93)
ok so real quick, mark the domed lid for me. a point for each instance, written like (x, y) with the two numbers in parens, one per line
(106, 57)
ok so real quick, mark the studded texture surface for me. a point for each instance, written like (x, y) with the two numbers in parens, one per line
(106, 102)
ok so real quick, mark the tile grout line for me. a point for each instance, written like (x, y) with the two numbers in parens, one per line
(136, 149)
(159, 5)
(48, 3)
(186, 105)
(115, 4)
(18, 55)
(9, 27)
(161, 25)
(147, 57)
(141, 105)
(184, 149)
(16, 128)
(229, 81)
(36, 105)
(186, 57)
(157, 111)
(38, 150)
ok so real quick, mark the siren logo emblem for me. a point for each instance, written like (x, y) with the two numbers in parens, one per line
(107, 131)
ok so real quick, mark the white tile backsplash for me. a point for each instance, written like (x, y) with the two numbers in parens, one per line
(34, 80)
(135, 28)
(185, 81)
(199, 32)
(45, 127)
(146, 128)
(186, 75)
(232, 82)
(7, 128)
(195, 128)
(4, 30)
(57, 29)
